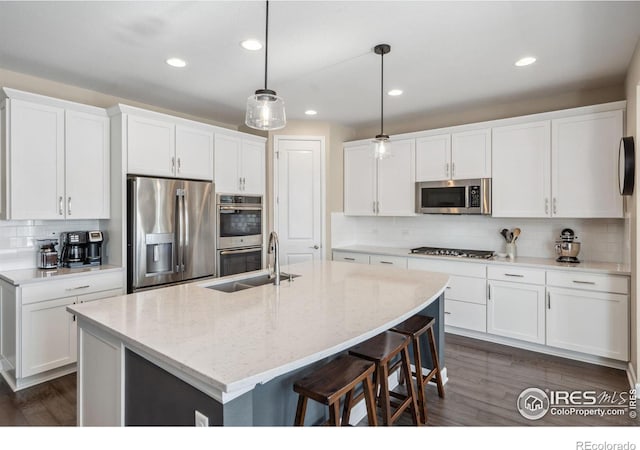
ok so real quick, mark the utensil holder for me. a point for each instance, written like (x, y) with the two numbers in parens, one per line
(511, 250)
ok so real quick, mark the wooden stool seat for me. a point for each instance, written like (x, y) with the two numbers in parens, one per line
(382, 349)
(414, 327)
(330, 382)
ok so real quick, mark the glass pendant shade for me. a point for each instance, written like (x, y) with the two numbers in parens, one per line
(382, 147)
(265, 111)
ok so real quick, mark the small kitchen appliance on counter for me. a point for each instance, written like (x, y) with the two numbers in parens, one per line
(47, 255)
(567, 248)
(81, 248)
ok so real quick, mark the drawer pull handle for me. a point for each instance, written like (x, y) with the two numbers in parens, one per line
(79, 287)
(349, 259)
(584, 282)
(448, 287)
(447, 312)
(513, 275)
(386, 262)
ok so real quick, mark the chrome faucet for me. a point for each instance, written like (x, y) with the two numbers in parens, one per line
(273, 248)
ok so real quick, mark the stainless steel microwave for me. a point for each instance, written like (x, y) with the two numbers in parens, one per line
(454, 197)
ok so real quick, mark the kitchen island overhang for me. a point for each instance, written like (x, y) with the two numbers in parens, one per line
(240, 350)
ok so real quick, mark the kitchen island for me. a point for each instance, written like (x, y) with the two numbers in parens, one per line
(155, 357)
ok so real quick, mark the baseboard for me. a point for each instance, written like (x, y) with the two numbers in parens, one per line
(598, 360)
(634, 383)
(359, 410)
(49, 375)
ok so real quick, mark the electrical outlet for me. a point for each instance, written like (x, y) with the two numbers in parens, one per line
(201, 419)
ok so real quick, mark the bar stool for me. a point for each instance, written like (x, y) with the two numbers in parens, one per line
(382, 349)
(414, 327)
(333, 380)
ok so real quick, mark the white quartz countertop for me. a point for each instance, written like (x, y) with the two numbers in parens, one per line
(542, 263)
(24, 276)
(233, 341)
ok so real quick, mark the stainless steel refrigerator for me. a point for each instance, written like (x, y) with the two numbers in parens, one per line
(170, 231)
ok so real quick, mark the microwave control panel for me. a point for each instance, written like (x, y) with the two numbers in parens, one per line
(474, 196)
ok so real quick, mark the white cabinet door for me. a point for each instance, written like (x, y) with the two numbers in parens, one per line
(359, 180)
(48, 337)
(590, 322)
(516, 310)
(471, 154)
(252, 163)
(585, 165)
(36, 170)
(86, 166)
(396, 180)
(521, 180)
(150, 147)
(433, 158)
(227, 163)
(194, 153)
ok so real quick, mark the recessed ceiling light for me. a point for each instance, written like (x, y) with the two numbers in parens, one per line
(311, 112)
(527, 60)
(251, 44)
(395, 92)
(176, 62)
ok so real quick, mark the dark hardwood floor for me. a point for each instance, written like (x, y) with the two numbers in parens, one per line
(484, 382)
(47, 404)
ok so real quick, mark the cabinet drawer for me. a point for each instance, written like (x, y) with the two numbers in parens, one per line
(47, 290)
(398, 261)
(467, 289)
(589, 281)
(449, 267)
(100, 295)
(516, 274)
(470, 316)
(361, 258)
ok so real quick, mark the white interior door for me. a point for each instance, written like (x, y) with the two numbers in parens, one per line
(298, 198)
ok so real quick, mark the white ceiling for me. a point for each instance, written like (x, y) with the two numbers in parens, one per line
(443, 54)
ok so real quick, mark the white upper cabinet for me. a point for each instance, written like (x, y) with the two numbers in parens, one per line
(87, 165)
(380, 187)
(194, 153)
(521, 184)
(584, 165)
(57, 159)
(360, 181)
(433, 158)
(563, 167)
(150, 146)
(455, 156)
(239, 165)
(160, 147)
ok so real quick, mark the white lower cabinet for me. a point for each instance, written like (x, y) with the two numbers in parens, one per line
(48, 337)
(516, 310)
(39, 335)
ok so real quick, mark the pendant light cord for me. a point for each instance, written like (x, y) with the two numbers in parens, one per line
(382, 94)
(266, 46)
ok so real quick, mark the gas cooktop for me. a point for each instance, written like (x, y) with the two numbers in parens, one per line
(460, 253)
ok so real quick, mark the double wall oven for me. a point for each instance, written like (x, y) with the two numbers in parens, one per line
(239, 240)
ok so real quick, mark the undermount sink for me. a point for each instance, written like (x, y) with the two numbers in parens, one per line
(248, 283)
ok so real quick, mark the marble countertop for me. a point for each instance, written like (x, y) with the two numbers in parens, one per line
(541, 263)
(25, 276)
(233, 341)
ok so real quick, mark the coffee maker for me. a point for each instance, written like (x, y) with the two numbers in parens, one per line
(81, 248)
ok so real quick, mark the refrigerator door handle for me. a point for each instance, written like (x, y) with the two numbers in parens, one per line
(183, 228)
(179, 230)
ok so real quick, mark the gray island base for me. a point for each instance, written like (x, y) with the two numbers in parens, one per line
(165, 356)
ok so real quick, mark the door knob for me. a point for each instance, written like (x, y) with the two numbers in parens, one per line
(315, 247)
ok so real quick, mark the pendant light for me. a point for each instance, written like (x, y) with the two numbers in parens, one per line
(382, 140)
(265, 109)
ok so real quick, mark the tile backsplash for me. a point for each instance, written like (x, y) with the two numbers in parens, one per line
(18, 246)
(601, 239)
